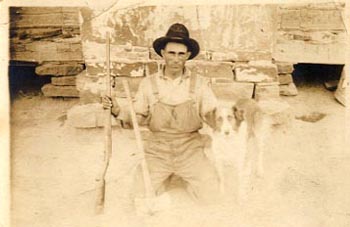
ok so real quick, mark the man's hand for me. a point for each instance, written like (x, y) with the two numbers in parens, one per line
(108, 103)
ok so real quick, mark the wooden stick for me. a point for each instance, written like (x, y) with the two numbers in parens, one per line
(100, 180)
(145, 172)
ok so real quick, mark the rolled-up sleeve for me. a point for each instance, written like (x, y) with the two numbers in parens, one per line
(208, 100)
(140, 104)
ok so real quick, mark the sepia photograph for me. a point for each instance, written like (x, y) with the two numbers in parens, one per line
(196, 113)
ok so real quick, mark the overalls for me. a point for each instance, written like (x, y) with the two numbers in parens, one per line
(176, 147)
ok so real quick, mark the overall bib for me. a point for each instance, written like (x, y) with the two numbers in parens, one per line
(176, 147)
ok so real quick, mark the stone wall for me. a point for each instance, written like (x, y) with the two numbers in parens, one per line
(232, 37)
(50, 38)
(243, 47)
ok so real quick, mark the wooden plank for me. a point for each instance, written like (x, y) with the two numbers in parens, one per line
(37, 33)
(45, 56)
(42, 10)
(44, 32)
(45, 45)
(44, 20)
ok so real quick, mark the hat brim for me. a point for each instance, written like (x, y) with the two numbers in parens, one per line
(192, 45)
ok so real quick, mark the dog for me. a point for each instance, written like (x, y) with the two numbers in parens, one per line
(238, 132)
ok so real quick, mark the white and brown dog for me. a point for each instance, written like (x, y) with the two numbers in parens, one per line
(238, 135)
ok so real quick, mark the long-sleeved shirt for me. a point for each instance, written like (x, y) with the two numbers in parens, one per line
(172, 92)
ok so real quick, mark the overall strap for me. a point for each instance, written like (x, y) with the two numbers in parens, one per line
(193, 82)
(154, 86)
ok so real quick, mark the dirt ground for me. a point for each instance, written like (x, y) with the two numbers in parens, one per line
(54, 167)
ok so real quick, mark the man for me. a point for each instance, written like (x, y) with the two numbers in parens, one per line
(174, 103)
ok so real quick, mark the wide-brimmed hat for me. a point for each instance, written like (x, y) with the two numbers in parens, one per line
(177, 33)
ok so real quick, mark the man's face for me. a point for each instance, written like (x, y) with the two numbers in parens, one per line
(175, 56)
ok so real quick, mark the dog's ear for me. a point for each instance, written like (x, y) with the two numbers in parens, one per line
(238, 113)
(210, 118)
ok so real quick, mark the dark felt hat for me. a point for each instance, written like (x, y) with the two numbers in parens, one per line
(177, 33)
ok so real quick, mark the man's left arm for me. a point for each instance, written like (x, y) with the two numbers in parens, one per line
(208, 102)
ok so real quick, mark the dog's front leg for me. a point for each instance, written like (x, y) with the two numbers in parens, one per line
(219, 165)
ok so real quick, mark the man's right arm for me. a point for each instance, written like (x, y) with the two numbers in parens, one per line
(140, 104)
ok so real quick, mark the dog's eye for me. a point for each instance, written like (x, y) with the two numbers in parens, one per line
(219, 119)
(230, 117)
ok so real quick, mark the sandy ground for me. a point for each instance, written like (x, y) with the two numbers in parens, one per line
(54, 167)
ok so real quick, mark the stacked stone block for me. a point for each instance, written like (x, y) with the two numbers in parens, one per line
(263, 74)
(229, 79)
(63, 80)
(285, 79)
(49, 37)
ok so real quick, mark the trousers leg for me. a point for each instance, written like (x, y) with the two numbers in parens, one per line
(195, 168)
(158, 159)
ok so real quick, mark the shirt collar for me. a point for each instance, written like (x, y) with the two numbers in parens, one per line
(185, 75)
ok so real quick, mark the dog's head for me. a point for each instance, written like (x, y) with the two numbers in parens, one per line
(228, 118)
(222, 120)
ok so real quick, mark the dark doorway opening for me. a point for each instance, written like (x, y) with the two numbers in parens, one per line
(315, 74)
(23, 81)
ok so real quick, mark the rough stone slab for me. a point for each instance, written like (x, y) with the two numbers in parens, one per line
(342, 93)
(97, 52)
(92, 83)
(288, 89)
(152, 67)
(64, 81)
(87, 116)
(253, 55)
(265, 91)
(153, 55)
(59, 91)
(284, 67)
(321, 19)
(280, 112)
(290, 19)
(232, 90)
(256, 71)
(211, 69)
(59, 69)
(285, 78)
(130, 69)
(203, 55)
(224, 56)
(331, 85)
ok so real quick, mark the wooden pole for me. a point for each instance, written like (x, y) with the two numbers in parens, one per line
(145, 172)
(100, 180)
